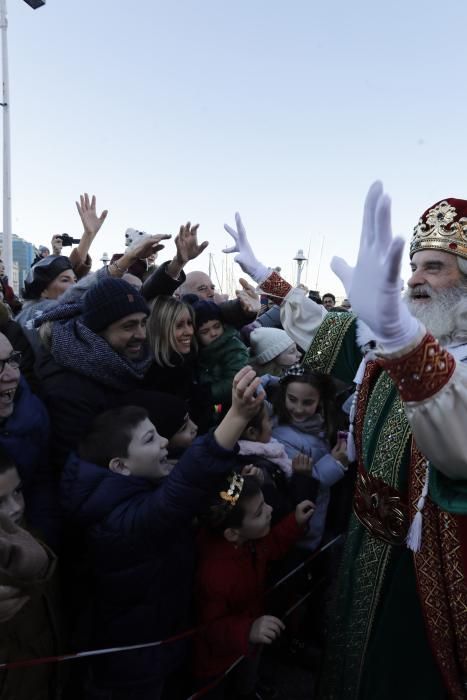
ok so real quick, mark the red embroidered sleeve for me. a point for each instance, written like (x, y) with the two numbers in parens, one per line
(423, 372)
(276, 287)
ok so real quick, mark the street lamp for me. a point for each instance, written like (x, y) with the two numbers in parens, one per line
(301, 259)
(7, 248)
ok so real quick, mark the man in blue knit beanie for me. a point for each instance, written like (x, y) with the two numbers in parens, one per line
(94, 358)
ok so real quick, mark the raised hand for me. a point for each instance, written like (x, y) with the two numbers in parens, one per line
(148, 246)
(251, 470)
(339, 451)
(187, 245)
(245, 258)
(248, 298)
(303, 512)
(247, 397)
(87, 212)
(302, 464)
(373, 285)
(266, 629)
(247, 393)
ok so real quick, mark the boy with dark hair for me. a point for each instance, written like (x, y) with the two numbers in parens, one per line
(329, 301)
(234, 553)
(138, 538)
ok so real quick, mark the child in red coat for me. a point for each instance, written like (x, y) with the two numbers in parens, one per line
(234, 552)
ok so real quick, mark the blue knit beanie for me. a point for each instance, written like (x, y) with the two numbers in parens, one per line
(206, 311)
(110, 300)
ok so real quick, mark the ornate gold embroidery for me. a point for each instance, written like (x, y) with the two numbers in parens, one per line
(323, 351)
(276, 287)
(423, 372)
(442, 585)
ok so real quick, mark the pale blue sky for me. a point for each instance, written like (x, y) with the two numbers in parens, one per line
(190, 110)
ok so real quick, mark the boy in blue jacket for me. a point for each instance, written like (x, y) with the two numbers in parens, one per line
(134, 513)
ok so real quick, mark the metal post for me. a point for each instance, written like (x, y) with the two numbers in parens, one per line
(301, 259)
(7, 248)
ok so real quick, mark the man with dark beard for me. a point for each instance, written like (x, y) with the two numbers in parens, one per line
(399, 627)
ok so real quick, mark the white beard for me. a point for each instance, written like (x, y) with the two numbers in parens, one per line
(445, 315)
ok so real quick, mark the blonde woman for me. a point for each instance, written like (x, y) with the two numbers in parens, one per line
(170, 332)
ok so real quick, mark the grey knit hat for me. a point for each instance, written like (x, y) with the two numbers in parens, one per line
(268, 343)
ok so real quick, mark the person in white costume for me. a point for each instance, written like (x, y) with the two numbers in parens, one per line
(400, 620)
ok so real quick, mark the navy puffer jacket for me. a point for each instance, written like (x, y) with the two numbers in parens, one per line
(138, 543)
(25, 437)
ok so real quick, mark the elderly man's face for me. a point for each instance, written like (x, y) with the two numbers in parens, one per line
(201, 284)
(434, 290)
(432, 270)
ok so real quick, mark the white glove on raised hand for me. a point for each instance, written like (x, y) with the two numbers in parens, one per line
(245, 258)
(373, 285)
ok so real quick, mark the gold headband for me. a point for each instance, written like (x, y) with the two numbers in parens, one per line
(232, 494)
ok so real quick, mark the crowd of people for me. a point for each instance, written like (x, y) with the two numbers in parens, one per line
(167, 454)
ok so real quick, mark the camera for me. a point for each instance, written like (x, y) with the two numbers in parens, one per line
(68, 240)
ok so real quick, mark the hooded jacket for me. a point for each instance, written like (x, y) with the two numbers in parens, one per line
(219, 362)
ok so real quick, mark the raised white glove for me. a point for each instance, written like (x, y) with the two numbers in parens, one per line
(373, 285)
(245, 258)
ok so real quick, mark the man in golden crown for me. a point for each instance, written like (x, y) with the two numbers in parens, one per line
(399, 626)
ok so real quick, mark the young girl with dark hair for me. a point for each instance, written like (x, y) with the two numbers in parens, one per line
(283, 482)
(234, 551)
(306, 410)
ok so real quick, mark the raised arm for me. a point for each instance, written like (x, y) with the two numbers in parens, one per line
(432, 387)
(91, 226)
(300, 316)
(169, 276)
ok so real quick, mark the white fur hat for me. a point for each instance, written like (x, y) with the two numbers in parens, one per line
(268, 343)
(133, 236)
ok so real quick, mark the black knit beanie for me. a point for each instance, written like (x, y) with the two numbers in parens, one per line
(206, 311)
(43, 273)
(110, 300)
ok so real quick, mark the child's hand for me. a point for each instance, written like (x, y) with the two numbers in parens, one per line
(11, 602)
(302, 464)
(247, 397)
(303, 512)
(339, 452)
(251, 470)
(247, 393)
(266, 629)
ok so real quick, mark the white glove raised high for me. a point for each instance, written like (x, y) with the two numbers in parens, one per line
(245, 258)
(373, 285)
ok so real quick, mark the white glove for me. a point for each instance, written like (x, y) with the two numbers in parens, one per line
(245, 258)
(373, 285)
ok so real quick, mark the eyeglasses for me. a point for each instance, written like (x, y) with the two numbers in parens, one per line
(14, 361)
(205, 287)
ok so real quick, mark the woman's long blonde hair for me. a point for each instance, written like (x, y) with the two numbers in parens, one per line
(165, 313)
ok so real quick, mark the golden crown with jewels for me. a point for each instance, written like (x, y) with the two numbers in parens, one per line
(442, 227)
